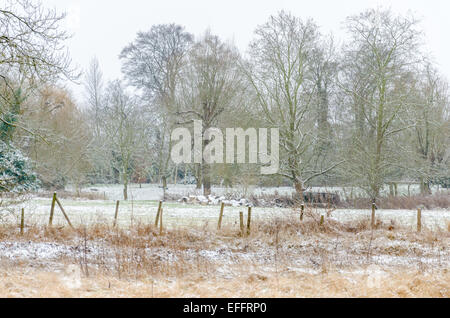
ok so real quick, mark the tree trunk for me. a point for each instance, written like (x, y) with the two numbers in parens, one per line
(175, 177)
(424, 187)
(164, 185)
(322, 120)
(298, 185)
(198, 176)
(125, 191)
(206, 169)
(391, 189)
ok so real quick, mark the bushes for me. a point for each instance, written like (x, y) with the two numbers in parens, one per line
(16, 175)
(438, 200)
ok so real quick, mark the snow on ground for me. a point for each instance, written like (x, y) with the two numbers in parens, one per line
(305, 254)
(227, 257)
(32, 251)
(178, 215)
(155, 192)
(183, 215)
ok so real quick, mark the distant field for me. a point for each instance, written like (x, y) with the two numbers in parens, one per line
(154, 192)
(178, 215)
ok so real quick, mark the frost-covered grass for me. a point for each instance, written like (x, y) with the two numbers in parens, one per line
(178, 215)
(282, 257)
(155, 192)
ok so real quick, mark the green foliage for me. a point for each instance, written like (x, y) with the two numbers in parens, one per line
(7, 125)
(16, 174)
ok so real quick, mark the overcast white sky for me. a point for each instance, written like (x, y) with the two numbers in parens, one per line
(102, 28)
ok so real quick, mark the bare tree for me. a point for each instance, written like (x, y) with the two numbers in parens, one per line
(211, 85)
(31, 40)
(93, 85)
(379, 58)
(324, 67)
(281, 73)
(153, 64)
(94, 96)
(431, 133)
(125, 128)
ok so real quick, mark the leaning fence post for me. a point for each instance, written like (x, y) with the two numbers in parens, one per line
(419, 220)
(22, 221)
(241, 219)
(222, 208)
(249, 220)
(161, 223)
(158, 213)
(64, 212)
(52, 210)
(373, 215)
(116, 214)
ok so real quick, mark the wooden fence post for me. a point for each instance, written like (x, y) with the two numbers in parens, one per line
(117, 213)
(22, 221)
(241, 219)
(419, 220)
(52, 210)
(64, 212)
(222, 208)
(249, 220)
(158, 213)
(302, 213)
(161, 223)
(373, 215)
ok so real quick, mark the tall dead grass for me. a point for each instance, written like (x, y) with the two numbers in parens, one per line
(407, 284)
(137, 253)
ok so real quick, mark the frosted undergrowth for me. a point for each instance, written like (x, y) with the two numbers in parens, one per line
(185, 216)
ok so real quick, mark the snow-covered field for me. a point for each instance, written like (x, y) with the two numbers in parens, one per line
(154, 192)
(301, 262)
(178, 215)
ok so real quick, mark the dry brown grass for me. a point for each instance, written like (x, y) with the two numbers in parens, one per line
(29, 283)
(280, 258)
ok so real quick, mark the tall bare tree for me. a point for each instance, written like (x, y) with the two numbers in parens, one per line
(31, 40)
(382, 52)
(324, 67)
(211, 85)
(430, 112)
(31, 49)
(125, 128)
(281, 70)
(153, 64)
(94, 97)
